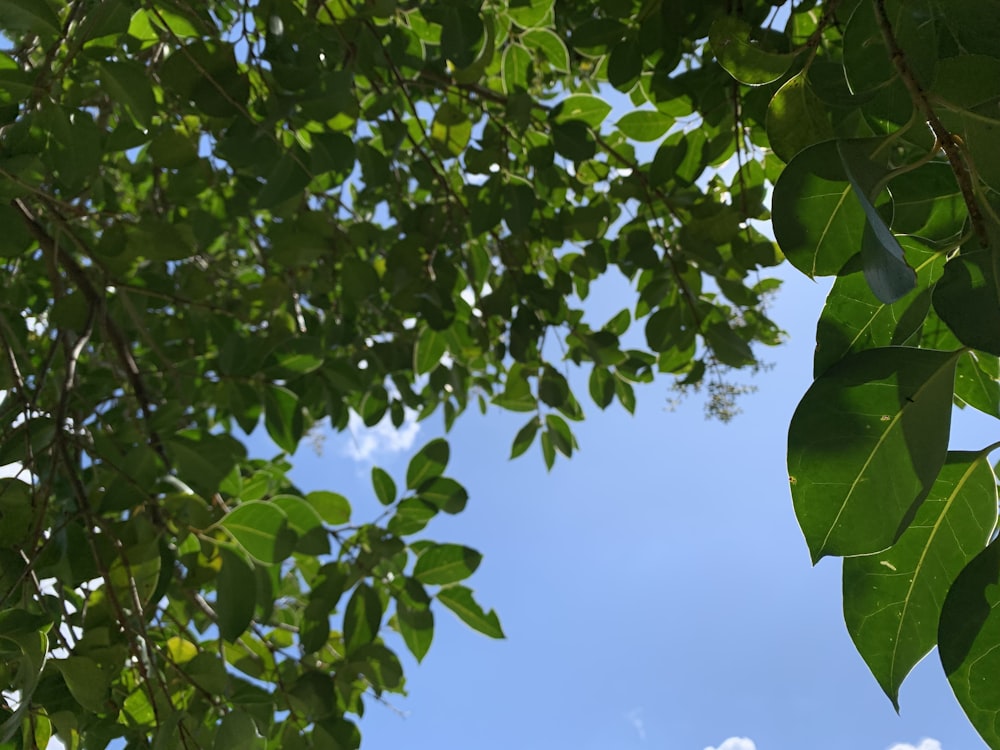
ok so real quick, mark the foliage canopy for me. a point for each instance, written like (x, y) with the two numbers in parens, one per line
(225, 216)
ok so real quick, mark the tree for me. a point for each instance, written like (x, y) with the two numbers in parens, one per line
(229, 216)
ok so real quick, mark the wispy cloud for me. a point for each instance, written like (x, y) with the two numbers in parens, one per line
(634, 718)
(925, 744)
(735, 743)
(365, 443)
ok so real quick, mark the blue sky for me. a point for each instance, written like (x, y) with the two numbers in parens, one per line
(655, 589)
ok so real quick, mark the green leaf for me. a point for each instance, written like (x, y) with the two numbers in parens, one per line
(236, 731)
(550, 45)
(204, 461)
(586, 108)
(88, 684)
(461, 33)
(892, 600)
(967, 297)
(742, 56)
(601, 386)
(256, 526)
(865, 445)
(385, 488)
(36, 16)
(332, 507)
(885, 266)
(362, 617)
(234, 598)
(853, 319)
(525, 437)
(460, 601)
(444, 494)
(451, 129)
(514, 67)
(416, 625)
(429, 462)
(446, 563)
(129, 84)
(428, 350)
(645, 125)
(967, 641)
(529, 14)
(283, 417)
(796, 119)
(818, 221)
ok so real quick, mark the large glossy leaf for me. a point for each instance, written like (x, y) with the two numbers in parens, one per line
(865, 445)
(892, 600)
(797, 118)
(967, 641)
(818, 221)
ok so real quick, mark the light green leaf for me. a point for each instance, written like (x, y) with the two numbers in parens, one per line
(530, 14)
(431, 345)
(550, 45)
(256, 525)
(385, 488)
(333, 508)
(892, 600)
(645, 125)
(460, 601)
(583, 107)
(865, 445)
(514, 66)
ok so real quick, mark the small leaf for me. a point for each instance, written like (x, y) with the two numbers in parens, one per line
(865, 445)
(550, 45)
(416, 625)
(362, 617)
(645, 125)
(429, 462)
(445, 494)
(524, 438)
(460, 601)
(385, 488)
(234, 598)
(332, 507)
(428, 350)
(446, 563)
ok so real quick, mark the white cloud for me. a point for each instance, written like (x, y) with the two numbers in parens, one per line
(735, 743)
(634, 718)
(366, 442)
(925, 744)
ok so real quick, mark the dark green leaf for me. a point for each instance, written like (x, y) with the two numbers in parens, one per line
(362, 617)
(385, 488)
(234, 599)
(865, 445)
(429, 462)
(524, 438)
(460, 601)
(892, 600)
(446, 563)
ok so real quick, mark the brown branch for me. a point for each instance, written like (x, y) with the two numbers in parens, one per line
(948, 142)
